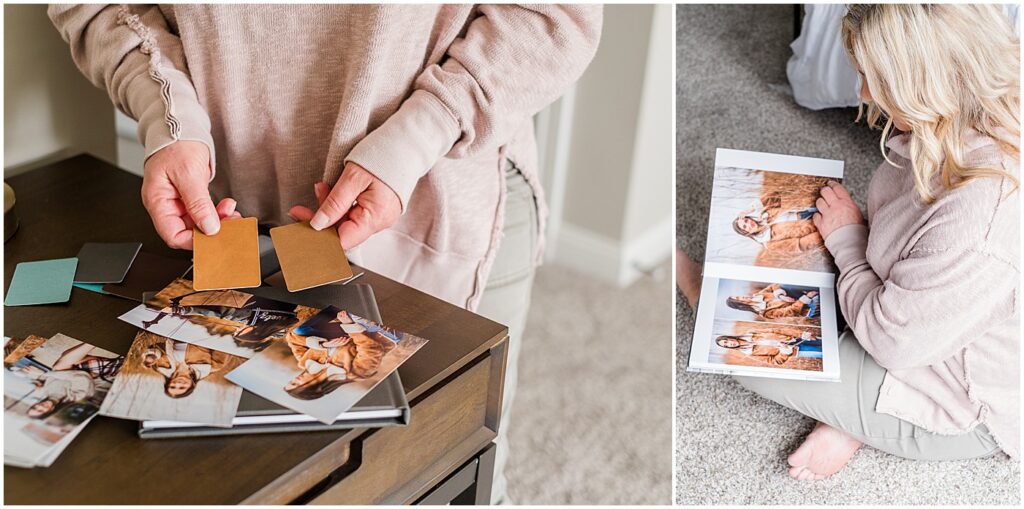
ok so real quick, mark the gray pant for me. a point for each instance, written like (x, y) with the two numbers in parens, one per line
(849, 405)
(506, 299)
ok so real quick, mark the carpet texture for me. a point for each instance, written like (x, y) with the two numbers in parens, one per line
(592, 419)
(732, 445)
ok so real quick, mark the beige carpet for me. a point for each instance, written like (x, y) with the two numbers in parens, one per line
(732, 445)
(592, 422)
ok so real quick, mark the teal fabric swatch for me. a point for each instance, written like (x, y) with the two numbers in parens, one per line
(92, 287)
(42, 282)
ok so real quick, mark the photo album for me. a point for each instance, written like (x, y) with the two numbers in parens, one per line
(767, 303)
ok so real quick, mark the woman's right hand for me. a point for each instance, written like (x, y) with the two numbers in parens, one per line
(836, 209)
(175, 192)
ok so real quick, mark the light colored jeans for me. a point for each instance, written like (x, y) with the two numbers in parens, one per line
(506, 300)
(849, 405)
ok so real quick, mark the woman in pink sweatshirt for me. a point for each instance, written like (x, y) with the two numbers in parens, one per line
(930, 363)
(406, 127)
(929, 285)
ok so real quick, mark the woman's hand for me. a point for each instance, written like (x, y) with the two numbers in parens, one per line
(835, 210)
(175, 192)
(359, 206)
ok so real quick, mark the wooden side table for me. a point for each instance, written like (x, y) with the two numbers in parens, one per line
(454, 384)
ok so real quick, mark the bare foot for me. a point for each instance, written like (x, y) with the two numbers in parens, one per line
(824, 452)
(688, 277)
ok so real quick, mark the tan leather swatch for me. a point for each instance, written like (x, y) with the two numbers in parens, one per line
(309, 258)
(229, 259)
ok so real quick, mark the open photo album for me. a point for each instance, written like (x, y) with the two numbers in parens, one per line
(767, 304)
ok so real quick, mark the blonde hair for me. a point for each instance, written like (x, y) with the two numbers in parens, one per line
(943, 70)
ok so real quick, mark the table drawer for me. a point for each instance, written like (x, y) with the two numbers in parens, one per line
(456, 484)
(448, 427)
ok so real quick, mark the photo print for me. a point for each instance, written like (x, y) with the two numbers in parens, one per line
(327, 363)
(768, 302)
(16, 348)
(164, 379)
(767, 345)
(228, 321)
(50, 393)
(763, 218)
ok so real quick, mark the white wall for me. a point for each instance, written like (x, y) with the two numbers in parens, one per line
(615, 220)
(50, 110)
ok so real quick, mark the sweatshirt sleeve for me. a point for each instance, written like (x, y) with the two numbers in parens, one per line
(930, 305)
(510, 63)
(129, 51)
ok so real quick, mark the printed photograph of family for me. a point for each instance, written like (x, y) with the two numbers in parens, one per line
(326, 364)
(763, 218)
(768, 345)
(50, 392)
(768, 302)
(164, 379)
(228, 321)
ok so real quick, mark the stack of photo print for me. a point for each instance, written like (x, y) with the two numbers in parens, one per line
(195, 353)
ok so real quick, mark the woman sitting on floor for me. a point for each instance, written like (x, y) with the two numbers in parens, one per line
(922, 380)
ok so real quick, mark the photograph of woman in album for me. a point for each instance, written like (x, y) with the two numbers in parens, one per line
(767, 345)
(768, 302)
(763, 218)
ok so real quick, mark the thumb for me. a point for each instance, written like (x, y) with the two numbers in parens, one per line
(338, 202)
(196, 198)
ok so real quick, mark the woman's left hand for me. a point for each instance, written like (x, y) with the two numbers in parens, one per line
(835, 209)
(359, 205)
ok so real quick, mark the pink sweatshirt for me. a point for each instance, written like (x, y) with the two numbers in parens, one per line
(931, 293)
(432, 99)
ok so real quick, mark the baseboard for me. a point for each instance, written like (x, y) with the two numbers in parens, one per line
(609, 260)
(648, 250)
(41, 161)
(587, 252)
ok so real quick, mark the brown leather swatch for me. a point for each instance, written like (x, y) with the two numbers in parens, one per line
(229, 259)
(308, 257)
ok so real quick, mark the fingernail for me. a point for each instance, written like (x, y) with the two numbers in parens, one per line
(211, 226)
(319, 221)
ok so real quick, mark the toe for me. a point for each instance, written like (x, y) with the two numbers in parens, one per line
(800, 473)
(799, 457)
